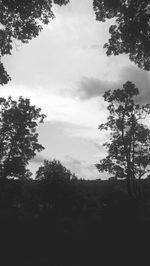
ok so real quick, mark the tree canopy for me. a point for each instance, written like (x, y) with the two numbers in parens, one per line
(53, 171)
(22, 21)
(130, 33)
(18, 136)
(128, 149)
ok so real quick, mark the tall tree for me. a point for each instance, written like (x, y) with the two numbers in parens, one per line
(18, 136)
(129, 146)
(130, 32)
(21, 21)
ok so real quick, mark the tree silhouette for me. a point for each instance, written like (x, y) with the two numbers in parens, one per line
(130, 33)
(53, 171)
(21, 21)
(128, 149)
(57, 189)
(18, 136)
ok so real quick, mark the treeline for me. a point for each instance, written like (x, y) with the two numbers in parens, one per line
(67, 221)
(31, 199)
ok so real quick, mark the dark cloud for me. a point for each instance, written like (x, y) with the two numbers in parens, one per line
(140, 78)
(94, 87)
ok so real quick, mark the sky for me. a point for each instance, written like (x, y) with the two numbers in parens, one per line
(65, 71)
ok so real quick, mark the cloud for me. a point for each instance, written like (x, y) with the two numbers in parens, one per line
(47, 69)
(93, 87)
(141, 79)
(82, 169)
(95, 46)
(73, 162)
(61, 138)
(58, 52)
(39, 159)
(74, 145)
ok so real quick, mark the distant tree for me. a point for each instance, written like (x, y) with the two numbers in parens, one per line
(18, 136)
(53, 171)
(129, 146)
(130, 32)
(21, 21)
(56, 187)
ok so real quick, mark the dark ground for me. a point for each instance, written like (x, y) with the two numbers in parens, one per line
(71, 224)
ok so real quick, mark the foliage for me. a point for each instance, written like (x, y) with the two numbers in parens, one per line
(18, 136)
(57, 189)
(130, 34)
(21, 21)
(128, 149)
(53, 170)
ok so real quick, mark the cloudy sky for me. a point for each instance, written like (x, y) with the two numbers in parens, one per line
(65, 71)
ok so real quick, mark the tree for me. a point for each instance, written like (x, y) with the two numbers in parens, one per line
(130, 34)
(21, 21)
(56, 188)
(129, 147)
(53, 171)
(18, 136)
